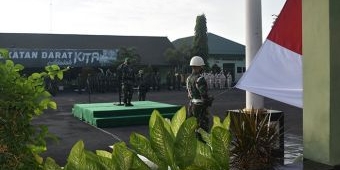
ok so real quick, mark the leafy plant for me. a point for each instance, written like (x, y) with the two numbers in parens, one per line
(22, 99)
(174, 143)
(255, 140)
(121, 158)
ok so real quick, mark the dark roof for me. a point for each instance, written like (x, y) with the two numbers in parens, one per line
(216, 45)
(150, 48)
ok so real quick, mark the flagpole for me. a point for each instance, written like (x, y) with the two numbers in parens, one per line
(253, 43)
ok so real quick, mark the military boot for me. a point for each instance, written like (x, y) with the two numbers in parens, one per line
(128, 103)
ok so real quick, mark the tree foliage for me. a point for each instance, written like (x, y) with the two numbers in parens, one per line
(22, 99)
(200, 42)
(127, 52)
(215, 69)
(178, 57)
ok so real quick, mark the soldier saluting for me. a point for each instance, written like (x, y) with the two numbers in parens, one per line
(197, 88)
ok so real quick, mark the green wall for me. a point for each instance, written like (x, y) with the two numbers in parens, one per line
(335, 81)
(321, 79)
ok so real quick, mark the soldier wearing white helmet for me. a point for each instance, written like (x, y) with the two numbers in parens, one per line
(198, 94)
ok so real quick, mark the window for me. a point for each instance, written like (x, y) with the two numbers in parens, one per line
(239, 70)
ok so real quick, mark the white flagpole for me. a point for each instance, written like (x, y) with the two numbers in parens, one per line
(253, 43)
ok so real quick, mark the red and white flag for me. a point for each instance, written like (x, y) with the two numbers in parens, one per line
(276, 70)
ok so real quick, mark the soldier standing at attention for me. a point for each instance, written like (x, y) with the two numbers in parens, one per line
(178, 81)
(229, 80)
(158, 81)
(222, 80)
(142, 87)
(198, 94)
(119, 84)
(127, 79)
(168, 80)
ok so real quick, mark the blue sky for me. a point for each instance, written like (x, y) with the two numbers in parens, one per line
(171, 18)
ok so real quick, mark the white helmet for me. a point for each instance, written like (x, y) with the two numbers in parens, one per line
(197, 61)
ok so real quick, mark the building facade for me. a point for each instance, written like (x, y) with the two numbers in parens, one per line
(83, 52)
(226, 54)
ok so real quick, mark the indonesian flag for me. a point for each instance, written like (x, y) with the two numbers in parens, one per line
(276, 70)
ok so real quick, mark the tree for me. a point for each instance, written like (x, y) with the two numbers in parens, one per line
(200, 43)
(171, 56)
(215, 69)
(178, 57)
(125, 52)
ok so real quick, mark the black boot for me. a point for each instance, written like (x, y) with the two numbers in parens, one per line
(128, 103)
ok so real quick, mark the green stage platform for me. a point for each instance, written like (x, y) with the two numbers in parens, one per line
(111, 115)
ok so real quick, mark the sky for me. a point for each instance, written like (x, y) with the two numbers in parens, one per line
(166, 18)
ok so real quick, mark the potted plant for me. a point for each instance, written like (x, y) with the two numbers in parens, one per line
(255, 140)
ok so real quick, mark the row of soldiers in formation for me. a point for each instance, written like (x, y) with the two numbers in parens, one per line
(108, 81)
(218, 80)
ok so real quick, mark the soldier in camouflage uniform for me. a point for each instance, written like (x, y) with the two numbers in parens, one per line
(198, 94)
(118, 84)
(127, 80)
(142, 87)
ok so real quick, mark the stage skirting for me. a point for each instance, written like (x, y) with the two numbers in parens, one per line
(112, 115)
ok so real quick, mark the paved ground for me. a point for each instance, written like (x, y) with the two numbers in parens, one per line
(70, 129)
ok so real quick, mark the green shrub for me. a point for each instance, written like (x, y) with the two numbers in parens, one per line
(22, 99)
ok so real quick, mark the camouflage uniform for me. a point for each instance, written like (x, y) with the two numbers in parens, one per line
(178, 81)
(127, 80)
(199, 100)
(168, 80)
(142, 87)
(118, 84)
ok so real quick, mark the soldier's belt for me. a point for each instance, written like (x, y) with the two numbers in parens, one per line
(197, 101)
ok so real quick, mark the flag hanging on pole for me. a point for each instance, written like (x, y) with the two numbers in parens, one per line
(276, 70)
